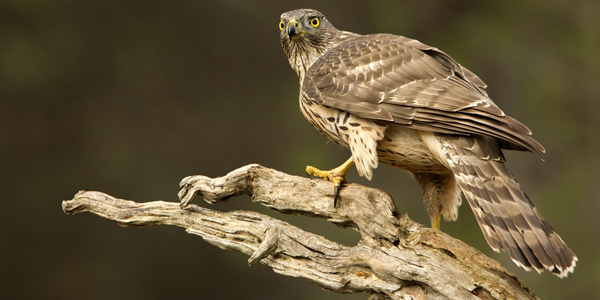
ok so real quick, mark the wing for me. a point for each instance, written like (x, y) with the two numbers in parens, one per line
(400, 80)
(507, 218)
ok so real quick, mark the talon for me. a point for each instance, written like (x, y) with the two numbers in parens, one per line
(336, 190)
(337, 185)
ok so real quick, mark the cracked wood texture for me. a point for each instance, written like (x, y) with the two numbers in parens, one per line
(396, 258)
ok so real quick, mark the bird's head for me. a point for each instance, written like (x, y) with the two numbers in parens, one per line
(305, 35)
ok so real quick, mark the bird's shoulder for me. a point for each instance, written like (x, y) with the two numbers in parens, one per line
(362, 58)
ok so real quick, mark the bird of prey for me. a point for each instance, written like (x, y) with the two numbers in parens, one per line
(397, 101)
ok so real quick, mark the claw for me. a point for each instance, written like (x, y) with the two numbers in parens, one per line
(336, 190)
(308, 175)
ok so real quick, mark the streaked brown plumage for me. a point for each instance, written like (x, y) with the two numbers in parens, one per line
(394, 100)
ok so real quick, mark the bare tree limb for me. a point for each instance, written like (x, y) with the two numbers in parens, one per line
(396, 258)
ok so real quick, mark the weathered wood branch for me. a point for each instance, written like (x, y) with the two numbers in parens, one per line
(396, 258)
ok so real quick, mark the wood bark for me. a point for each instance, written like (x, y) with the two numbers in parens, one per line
(396, 258)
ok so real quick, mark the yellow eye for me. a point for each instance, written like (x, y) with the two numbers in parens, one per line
(314, 22)
(281, 25)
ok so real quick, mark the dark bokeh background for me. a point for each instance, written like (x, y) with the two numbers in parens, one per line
(128, 97)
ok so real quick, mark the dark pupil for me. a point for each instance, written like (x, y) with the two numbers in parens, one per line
(314, 21)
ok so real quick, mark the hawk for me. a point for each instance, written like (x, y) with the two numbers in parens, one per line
(397, 101)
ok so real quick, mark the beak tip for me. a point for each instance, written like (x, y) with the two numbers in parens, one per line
(292, 30)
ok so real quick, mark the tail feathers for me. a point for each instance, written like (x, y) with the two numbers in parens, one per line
(505, 214)
(566, 255)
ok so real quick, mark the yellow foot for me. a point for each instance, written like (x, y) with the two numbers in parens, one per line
(337, 176)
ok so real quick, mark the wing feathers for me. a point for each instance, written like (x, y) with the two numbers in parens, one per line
(372, 75)
(477, 124)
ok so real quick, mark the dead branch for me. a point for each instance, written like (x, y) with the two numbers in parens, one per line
(396, 258)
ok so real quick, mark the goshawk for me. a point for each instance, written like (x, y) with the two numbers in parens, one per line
(395, 100)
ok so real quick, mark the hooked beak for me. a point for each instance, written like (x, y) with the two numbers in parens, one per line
(292, 29)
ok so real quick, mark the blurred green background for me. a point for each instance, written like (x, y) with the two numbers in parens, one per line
(128, 97)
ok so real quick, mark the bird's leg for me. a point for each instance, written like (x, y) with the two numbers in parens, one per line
(434, 188)
(435, 221)
(337, 176)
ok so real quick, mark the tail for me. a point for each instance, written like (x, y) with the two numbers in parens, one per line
(505, 214)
